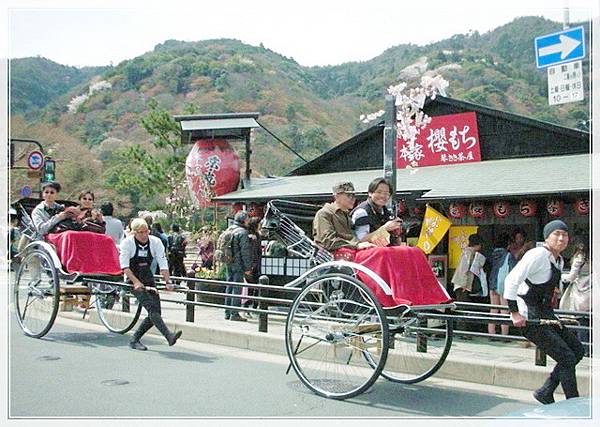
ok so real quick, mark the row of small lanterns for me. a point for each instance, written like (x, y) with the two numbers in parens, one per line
(527, 208)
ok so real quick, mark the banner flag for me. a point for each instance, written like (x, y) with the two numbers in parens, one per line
(435, 225)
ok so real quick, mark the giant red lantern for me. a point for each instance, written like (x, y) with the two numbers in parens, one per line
(555, 207)
(212, 169)
(501, 209)
(527, 208)
(476, 209)
(457, 210)
(582, 206)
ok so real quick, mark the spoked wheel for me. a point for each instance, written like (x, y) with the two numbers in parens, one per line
(335, 330)
(418, 348)
(36, 293)
(117, 308)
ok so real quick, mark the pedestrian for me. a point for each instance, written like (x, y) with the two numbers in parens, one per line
(114, 226)
(177, 245)
(464, 278)
(577, 294)
(373, 214)
(502, 261)
(14, 236)
(157, 231)
(529, 290)
(137, 253)
(256, 250)
(206, 247)
(240, 265)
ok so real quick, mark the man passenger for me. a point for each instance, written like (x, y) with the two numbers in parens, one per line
(332, 226)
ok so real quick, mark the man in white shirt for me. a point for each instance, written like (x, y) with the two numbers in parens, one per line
(136, 255)
(529, 290)
(114, 226)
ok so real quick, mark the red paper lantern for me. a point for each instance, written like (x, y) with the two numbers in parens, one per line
(476, 209)
(582, 206)
(212, 169)
(255, 210)
(555, 207)
(236, 207)
(501, 209)
(401, 208)
(457, 210)
(418, 210)
(527, 208)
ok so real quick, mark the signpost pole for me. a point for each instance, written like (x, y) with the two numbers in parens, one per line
(389, 143)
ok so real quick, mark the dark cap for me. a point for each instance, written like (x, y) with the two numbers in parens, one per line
(343, 187)
(552, 226)
(240, 216)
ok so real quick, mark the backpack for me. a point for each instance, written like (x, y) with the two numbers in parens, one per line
(176, 245)
(224, 250)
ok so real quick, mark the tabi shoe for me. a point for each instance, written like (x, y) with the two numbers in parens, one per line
(136, 345)
(172, 339)
(238, 318)
(545, 394)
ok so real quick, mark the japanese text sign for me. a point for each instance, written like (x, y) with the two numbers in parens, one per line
(448, 139)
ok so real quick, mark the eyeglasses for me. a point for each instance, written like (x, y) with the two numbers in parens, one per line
(88, 199)
(383, 193)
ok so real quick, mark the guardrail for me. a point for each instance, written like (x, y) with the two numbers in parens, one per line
(475, 313)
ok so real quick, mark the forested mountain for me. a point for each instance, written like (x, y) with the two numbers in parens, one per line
(97, 111)
(37, 82)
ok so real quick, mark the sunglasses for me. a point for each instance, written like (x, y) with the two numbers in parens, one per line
(49, 192)
(88, 199)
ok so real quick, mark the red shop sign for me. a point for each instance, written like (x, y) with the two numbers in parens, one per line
(449, 139)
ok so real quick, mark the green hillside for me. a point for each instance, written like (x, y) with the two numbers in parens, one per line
(311, 108)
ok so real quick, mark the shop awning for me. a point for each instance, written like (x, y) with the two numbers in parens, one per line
(494, 178)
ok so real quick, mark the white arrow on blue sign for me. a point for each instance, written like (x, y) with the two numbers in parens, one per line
(560, 47)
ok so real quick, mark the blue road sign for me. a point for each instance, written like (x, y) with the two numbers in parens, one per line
(26, 191)
(560, 47)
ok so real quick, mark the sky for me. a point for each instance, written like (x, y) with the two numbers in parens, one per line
(324, 32)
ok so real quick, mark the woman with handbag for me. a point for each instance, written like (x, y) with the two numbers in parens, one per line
(463, 278)
(577, 291)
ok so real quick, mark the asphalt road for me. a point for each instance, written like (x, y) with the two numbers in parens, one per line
(83, 371)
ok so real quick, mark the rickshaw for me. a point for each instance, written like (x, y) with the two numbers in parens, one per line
(338, 336)
(41, 278)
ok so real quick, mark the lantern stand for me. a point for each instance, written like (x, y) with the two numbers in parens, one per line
(229, 126)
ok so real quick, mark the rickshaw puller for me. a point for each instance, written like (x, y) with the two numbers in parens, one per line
(137, 254)
(529, 290)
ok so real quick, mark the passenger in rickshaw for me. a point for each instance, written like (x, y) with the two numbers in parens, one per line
(80, 251)
(373, 215)
(405, 269)
(90, 217)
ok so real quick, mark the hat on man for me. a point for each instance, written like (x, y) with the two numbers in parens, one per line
(240, 216)
(552, 226)
(343, 187)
